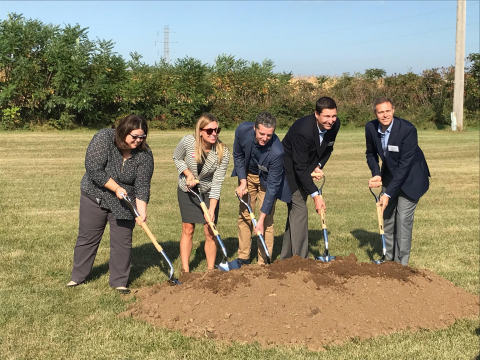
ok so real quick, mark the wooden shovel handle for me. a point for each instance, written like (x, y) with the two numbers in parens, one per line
(207, 217)
(145, 228)
(380, 218)
(322, 215)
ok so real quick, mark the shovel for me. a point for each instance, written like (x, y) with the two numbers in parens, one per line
(131, 205)
(326, 257)
(259, 234)
(380, 226)
(223, 264)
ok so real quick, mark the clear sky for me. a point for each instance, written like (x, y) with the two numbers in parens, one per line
(301, 37)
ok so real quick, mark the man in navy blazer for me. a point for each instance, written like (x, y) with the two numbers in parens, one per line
(307, 145)
(403, 176)
(258, 163)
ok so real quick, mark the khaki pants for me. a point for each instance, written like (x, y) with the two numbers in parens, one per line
(245, 227)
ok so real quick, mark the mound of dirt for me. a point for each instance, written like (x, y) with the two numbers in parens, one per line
(305, 302)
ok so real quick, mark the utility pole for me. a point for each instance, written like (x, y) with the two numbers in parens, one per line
(166, 47)
(457, 114)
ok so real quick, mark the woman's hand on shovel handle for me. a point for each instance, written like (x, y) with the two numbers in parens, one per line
(190, 178)
(142, 210)
(211, 210)
(115, 188)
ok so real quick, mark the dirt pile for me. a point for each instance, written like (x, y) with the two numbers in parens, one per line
(305, 302)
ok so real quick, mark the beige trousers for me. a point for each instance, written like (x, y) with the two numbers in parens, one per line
(245, 227)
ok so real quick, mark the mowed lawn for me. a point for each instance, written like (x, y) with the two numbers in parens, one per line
(40, 176)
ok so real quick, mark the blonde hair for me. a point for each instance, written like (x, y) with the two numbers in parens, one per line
(203, 121)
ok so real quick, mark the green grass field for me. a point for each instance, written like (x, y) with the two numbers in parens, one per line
(41, 319)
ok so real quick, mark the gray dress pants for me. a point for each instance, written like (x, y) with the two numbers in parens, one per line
(92, 223)
(398, 225)
(295, 238)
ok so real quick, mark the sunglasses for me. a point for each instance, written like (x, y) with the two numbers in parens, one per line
(210, 131)
(135, 137)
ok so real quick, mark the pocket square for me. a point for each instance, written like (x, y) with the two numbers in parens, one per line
(393, 148)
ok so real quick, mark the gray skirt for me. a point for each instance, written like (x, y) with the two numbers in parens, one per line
(190, 209)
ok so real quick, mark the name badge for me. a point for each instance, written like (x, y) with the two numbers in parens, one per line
(393, 148)
(331, 143)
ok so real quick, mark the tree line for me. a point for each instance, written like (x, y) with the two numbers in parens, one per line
(56, 77)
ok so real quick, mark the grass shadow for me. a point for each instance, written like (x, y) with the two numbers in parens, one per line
(231, 246)
(370, 240)
(97, 272)
(146, 256)
(316, 242)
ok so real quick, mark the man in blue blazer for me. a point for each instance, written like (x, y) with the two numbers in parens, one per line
(307, 145)
(258, 163)
(403, 176)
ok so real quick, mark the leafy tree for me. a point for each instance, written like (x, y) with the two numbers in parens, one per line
(472, 88)
(23, 85)
(374, 74)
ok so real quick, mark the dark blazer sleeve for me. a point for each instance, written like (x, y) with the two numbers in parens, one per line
(241, 141)
(409, 145)
(302, 144)
(275, 176)
(371, 152)
(306, 154)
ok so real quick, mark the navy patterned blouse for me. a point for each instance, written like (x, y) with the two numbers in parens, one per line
(104, 160)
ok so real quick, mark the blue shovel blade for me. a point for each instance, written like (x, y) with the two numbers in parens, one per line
(224, 266)
(325, 258)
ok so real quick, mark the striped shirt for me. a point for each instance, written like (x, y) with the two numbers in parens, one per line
(213, 172)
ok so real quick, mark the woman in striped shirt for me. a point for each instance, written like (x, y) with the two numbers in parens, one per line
(200, 159)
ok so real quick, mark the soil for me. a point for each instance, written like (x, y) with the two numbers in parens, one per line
(304, 302)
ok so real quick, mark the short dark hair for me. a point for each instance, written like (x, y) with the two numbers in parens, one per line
(125, 126)
(325, 102)
(266, 119)
(379, 101)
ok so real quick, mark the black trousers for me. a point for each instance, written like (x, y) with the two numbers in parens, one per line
(92, 223)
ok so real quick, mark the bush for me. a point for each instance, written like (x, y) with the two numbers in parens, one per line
(55, 76)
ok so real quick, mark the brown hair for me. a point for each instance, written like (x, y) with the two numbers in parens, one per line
(125, 126)
(381, 100)
(204, 120)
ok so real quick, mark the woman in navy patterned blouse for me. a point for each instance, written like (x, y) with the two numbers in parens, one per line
(118, 161)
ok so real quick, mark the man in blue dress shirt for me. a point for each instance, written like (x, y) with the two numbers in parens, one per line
(403, 175)
(258, 163)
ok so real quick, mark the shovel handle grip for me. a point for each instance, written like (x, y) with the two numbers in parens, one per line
(380, 218)
(145, 228)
